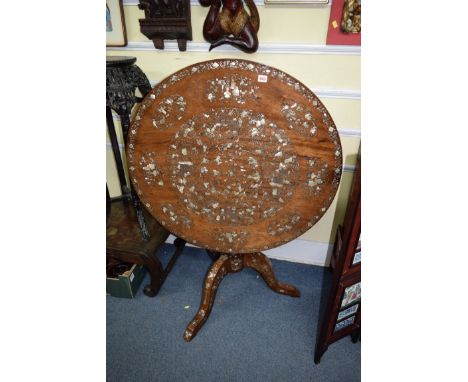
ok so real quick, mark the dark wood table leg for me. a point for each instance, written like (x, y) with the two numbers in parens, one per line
(231, 263)
(319, 351)
(262, 265)
(156, 275)
(215, 274)
(116, 151)
(152, 263)
(356, 335)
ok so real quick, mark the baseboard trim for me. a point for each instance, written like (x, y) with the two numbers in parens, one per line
(337, 93)
(302, 251)
(296, 251)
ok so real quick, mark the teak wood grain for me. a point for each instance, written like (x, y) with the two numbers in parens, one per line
(216, 158)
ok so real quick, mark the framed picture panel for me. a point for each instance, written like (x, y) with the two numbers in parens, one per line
(344, 324)
(344, 26)
(116, 34)
(357, 253)
(347, 312)
(351, 294)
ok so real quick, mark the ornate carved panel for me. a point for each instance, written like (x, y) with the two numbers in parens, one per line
(166, 19)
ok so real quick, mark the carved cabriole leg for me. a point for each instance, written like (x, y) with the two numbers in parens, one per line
(232, 263)
(215, 274)
(157, 272)
(157, 276)
(262, 265)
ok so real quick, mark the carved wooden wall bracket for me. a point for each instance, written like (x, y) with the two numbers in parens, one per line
(166, 19)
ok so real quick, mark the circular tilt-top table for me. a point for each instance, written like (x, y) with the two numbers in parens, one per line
(236, 157)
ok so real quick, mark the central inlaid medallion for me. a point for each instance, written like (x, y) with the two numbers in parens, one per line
(238, 170)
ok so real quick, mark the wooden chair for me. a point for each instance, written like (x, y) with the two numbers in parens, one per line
(125, 243)
(132, 234)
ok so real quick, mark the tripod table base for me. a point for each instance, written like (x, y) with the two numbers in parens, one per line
(232, 263)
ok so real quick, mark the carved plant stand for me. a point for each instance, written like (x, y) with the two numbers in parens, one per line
(132, 234)
(232, 263)
(123, 77)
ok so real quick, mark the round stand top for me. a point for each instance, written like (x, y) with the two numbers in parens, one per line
(234, 156)
(114, 61)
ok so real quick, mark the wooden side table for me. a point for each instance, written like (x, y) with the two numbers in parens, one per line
(132, 234)
(235, 157)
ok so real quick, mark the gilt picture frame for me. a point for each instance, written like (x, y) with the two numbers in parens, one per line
(116, 33)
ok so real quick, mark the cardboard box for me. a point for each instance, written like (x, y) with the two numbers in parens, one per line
(126, 285)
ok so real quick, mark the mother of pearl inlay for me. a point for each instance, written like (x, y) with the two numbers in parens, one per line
(220, 162)
(221, 173)
(234, 87)
(167, 111)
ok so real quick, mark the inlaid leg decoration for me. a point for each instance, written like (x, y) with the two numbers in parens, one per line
(230, 264)
(216, 273)
(262, 265)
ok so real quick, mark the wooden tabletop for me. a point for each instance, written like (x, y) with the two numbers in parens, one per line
(234, 156)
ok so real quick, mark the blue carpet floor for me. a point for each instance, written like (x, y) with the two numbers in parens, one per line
(252, 334)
